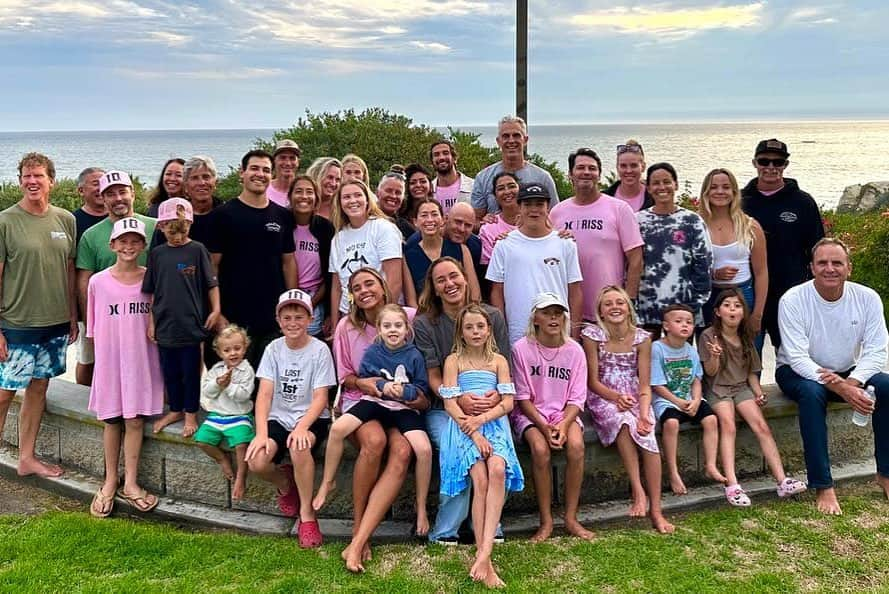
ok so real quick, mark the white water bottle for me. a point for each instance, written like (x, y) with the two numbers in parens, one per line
(861, 419)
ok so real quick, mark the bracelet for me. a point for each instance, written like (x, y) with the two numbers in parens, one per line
(449, 391)
(506, 388)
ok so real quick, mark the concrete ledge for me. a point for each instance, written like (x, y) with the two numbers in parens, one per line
(183, 475)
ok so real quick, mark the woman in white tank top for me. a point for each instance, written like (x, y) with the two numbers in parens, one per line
(739, 246)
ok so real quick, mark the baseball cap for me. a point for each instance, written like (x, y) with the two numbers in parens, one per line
(294, 297)
(114, 178)
(286, 145)
(169, 210)
(772, 145)
(127, 225)
(531, 191)
(545, 299)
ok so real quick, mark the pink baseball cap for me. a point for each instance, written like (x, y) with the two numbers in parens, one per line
(127, 225)
(114, 178)
(169, 210)
(294, 297)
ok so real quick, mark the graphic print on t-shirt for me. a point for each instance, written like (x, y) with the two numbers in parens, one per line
(291, 381)
(129, 308)
(355, 258)
(552, 372)
(680, 375)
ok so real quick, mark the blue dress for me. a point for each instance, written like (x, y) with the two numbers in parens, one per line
(458, 453)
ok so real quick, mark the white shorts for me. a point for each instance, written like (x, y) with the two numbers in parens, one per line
(85, 353)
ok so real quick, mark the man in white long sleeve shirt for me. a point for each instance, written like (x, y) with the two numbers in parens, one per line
(834, 344)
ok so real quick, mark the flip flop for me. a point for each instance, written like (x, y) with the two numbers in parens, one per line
(309, 534)
(141, 502)
(101, 502)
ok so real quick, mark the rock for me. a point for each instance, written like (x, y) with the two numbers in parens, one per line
(864, 198)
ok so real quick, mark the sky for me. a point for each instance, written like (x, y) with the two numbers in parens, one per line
(158, 64)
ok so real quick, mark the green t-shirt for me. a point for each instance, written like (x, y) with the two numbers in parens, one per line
(94, 253)
(35, 250)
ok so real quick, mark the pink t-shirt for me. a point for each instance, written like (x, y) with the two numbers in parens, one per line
(551, 378)
(127, 380)
(489, 233)
(308, 259)
(635, 202)
(349, 344)
(447, 196)
(604, 231)
(277, 197)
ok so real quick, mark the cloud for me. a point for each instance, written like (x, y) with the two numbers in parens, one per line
(431, 46)
(209, 74)
(665, 20)
(812, 16)
(168, 38)
(346, 67)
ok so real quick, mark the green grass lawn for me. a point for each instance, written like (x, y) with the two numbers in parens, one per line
(774, 546)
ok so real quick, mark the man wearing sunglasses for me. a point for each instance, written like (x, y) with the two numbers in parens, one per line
(791, 221)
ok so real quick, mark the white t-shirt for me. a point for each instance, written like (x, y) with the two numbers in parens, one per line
(375, 241)
(835, 335)
(296, 373)
(528, 266)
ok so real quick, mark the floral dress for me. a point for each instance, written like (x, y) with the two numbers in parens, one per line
(620, 372)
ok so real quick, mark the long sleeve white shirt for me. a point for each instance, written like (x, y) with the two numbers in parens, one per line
(836, 335)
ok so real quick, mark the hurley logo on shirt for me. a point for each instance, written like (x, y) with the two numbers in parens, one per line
(586, 224)
(273, 227)
(562, 373)
(131, 308)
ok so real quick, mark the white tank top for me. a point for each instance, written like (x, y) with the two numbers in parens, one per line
(733, 254)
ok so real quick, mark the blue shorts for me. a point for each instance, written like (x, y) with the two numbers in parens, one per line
(34, 353)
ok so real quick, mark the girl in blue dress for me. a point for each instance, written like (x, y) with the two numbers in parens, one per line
(479, 447)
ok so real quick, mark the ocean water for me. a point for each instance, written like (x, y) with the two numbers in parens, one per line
(825, 156)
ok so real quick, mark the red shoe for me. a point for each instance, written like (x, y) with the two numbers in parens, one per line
(309, 534)
(288, 503)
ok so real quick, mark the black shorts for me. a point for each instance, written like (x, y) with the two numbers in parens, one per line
(704, 411)
(278, 433)
(403, 420)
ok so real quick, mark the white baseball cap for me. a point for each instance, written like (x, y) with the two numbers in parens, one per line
(294, 297)
(114, 178)
(127, 225)
(544, 300)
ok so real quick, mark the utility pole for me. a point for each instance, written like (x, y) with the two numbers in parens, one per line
(521, 60)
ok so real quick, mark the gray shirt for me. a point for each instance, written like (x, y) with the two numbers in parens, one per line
(296, 373)
(483, 188)
(435, 338)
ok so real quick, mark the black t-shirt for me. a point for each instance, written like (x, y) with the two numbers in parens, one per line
(252, 242)
(85, 220)
(179, 278)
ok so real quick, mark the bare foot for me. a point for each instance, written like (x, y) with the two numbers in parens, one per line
(544, 532)
(826, 501)
(676, 485)
(883, 481)
(422, 523)
(491, 579)
(353, 560)
(714, 474)
(226, 464)
(660, 524)
(168, 419)
(191, 425)
(324, 489)
(575, 528)
(366, 555)
(479, 570)
(238, 488)
(639, 507)
(31, 466)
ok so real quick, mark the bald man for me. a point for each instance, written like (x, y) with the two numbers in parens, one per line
(459, 226)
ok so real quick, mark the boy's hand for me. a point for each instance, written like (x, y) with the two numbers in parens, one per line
(693, 406)
(225, 379)
(558, 436)
(300, 438)
(151, 331)
(259, 443)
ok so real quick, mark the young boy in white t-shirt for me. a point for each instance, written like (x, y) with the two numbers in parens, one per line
(292, 415)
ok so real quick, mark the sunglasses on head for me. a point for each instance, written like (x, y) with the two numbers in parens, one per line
(765, 162)
(629, 148)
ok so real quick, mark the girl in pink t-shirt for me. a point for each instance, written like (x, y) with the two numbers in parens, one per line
(550, 375)
(127, 385)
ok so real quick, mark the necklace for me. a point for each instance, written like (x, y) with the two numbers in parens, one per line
(543, 356)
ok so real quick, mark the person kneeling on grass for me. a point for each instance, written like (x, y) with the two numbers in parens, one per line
(400, 362)
(731, 365)
(550, 376)
(676, 381)
(225, 395)
(292, 418)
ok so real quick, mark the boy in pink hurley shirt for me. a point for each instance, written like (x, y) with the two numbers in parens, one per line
(609, 244)
(550, 375)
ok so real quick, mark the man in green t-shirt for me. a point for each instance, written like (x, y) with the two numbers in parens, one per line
(93, 251)
(38, 311)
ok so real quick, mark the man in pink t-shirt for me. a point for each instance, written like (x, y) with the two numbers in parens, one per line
(608, 240)
(450, 186)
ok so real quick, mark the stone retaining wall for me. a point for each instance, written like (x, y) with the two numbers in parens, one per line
(70, 435)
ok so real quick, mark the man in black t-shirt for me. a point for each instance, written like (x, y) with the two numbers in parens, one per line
(251, 247)
(91, 212)
(791, 221)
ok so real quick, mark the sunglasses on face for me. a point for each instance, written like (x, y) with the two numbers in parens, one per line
(629, 148)
(764, 162)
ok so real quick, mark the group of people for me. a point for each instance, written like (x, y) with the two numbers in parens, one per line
(438, 313)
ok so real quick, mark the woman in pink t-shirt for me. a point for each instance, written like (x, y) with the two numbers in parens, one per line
(371, 496)
(550, 375)
(506, 189)
(631, 172)
(312, 236)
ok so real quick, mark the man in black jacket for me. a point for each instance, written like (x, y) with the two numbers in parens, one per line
(791, 221)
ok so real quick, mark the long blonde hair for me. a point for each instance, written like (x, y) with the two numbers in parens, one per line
(742, 224)
(490, 348)
(339, 219)
(631, 317)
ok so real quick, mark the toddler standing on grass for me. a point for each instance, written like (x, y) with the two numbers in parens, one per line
(181, 282)
(225, 395)
(676, 381)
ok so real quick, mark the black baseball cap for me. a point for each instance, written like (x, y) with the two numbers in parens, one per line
(772, 145)
(531, 191)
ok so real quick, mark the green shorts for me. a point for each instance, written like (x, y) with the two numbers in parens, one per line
(234, 429)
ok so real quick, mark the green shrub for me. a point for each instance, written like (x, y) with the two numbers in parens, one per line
(64, 195)
(867, 236)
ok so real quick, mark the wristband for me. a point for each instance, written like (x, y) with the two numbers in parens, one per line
(449, 391)
(506, 388)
